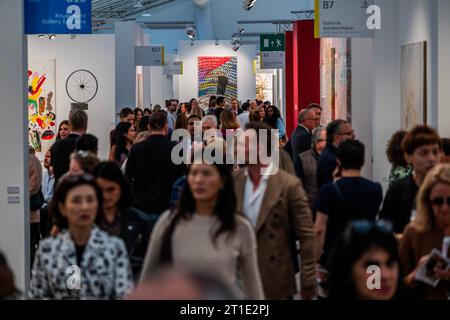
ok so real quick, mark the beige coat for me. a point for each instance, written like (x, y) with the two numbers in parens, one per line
(284, 210)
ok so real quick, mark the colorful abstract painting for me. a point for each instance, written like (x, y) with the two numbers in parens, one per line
(216, 76)
(41, 105)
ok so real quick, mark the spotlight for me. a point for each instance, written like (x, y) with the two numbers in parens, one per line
(51, 37)
(241, 30)
(248, 4)
(235, 41)
(217, 42)
(146, 14)
(41, 36)
(138, 4)
(190, 32)
(236, 48)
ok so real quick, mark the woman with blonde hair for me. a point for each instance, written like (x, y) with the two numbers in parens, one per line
(426, 233)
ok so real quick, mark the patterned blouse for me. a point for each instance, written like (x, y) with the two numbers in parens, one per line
(398, 173)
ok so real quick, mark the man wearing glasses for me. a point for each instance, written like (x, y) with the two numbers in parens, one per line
(338, 131)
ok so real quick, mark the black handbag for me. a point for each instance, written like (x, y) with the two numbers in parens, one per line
(37, 200)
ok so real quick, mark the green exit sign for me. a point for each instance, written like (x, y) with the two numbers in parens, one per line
(272, 42)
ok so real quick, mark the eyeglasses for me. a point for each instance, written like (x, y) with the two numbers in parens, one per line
(364, 226)
(439, 201)
(350, 133)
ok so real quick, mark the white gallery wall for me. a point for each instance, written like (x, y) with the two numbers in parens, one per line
(188, 82)
(14, 216)
(362, 84)
(404, 22)
(95, 53)
(443, 120)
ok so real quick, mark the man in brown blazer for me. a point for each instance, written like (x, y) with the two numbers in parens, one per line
(276, 204)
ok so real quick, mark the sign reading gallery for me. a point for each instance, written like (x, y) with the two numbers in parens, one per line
(346, 18)
(58, 16)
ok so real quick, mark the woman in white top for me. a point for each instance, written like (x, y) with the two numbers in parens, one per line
(205, 234)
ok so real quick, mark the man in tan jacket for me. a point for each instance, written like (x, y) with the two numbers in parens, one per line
(276, 204)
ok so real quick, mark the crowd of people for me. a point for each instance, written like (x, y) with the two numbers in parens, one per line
(142, 226)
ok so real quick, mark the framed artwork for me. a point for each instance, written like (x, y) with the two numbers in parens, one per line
(216, 76)
(413, 84)
(41, 105)
(335, 79)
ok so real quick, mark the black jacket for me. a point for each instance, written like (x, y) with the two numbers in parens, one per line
(399, 203)
(152, 173)
(61, 151)
(134, 228)
(300, 141)
(326, 166)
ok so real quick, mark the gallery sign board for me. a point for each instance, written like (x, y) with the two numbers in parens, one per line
(149, 56)
(58, 16)
(272, 48)
(173, 68)
(342, 19)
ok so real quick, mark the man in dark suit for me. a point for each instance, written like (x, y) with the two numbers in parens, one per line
(338, 131)
(301, 137)
(276, 204)
(150, 168)
(62, 149)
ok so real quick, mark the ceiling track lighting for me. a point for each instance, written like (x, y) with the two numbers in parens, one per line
(236, 48)
(52, 37)
(41, 36)
(235, 41)
(138, 4)
(190, 32)
(248, 4)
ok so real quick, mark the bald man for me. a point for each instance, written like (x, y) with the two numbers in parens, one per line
(301, 137)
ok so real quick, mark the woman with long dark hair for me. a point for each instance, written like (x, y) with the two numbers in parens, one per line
(81, 262)
(364, 264)
(63, 130)
(138, 114)
(124, 136)
(273, 119)
(120, 218)
(205, 234)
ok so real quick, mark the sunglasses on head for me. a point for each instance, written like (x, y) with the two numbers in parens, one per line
(439, 201)
(365, 226)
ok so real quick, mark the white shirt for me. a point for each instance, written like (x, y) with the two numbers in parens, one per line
(244, 118)
(253, 198)
(47, 185)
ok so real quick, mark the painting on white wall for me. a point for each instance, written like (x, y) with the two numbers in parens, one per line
(41, 105)
(335, 79)
(216, 76)
(413, 84)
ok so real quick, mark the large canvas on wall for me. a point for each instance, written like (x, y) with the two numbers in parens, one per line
(335, 79)
(41, 105)
(413, 87)
(216, 76)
